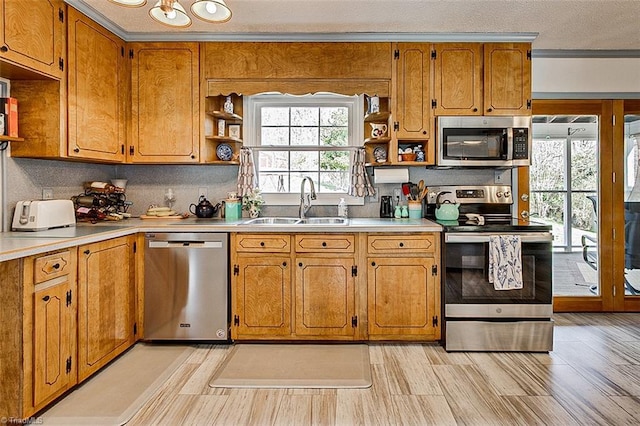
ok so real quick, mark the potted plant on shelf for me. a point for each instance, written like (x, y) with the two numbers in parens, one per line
(252, 202)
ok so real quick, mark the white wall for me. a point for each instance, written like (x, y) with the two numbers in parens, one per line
(610, 78)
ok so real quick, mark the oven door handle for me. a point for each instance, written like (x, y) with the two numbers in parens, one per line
(473, 237)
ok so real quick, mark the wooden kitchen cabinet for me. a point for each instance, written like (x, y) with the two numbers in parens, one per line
(507, 79)
(36, 43)
(403, 295)
(325, 296)
(106, 302)
(165, 103)
(98, 91)
(482, 79)
(38, 331)
(261, 286)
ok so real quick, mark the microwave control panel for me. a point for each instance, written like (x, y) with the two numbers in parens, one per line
(520, 144)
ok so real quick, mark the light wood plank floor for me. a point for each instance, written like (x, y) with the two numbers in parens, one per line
(592, 377)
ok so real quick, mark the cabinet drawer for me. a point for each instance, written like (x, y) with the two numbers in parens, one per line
(420, 243)
(51, 266)
(325, 242)
(274, 243)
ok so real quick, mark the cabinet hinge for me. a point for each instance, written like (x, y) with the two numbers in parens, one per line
(130, 53)
(396, 54)
(131, 150)
(236, 270)
(613, 121)
(434, 55)
(122, 149)
(354, 271)
(122, 51)
(434, 103)
(528, 103)
(61, 64)
(354, 321)
(529, 54)
(396, 126)
(434, 270)
(61, 15)
(135, 246)
(68, 366)
(135, 328)
(68, 297)
(236, 320)
(435, 321)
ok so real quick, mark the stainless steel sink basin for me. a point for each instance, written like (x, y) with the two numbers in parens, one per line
(297, 221)
(325, 221)
(273, 221)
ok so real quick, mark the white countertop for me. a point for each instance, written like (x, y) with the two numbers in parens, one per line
(14, 245)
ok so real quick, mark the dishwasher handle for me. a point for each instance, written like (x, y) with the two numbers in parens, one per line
(185, 244)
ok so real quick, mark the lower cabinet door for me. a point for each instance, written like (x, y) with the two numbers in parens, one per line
(52, 341)
(262, 297)
(325, 297)
(402, 298)
(106, 302)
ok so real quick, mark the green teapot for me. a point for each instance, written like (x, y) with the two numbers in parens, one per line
(446, 210)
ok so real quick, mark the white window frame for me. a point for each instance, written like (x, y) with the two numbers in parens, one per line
(252, 120)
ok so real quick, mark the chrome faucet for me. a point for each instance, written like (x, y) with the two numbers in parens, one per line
(305, 199)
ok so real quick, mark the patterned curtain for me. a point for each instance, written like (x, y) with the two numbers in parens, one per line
(246, 172)
(360, 182)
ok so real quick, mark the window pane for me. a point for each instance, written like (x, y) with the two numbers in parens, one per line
(548, 207)
(338, 116)
(548, 164)
(304, 160)
(584, 165)
(274, 182)
(304, 116)
(275, 136)
(304, 136)
(275, 116)
(334, 160)
(583, 217)
(273, 160)
(334, 182)
(334, 136)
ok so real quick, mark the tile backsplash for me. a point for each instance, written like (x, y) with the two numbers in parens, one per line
(25, 179)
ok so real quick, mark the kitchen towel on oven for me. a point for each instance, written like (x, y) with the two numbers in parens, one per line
(505, 263)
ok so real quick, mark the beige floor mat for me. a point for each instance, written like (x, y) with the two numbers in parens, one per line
(295, 366)
(116, 393)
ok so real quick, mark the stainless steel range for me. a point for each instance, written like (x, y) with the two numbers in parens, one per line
(479, 316)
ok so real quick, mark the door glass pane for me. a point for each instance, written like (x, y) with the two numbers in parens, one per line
(632, 206)
(564, 182)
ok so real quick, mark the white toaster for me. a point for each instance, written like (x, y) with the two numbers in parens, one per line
(38, 215)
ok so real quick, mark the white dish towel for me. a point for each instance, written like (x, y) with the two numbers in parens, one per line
(505, 262)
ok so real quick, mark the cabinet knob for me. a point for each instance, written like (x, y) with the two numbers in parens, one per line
(324, 244)
(76, 149)
(4, 49)
(87, 251)
(300, 264)
(424, 132)
(489, 109)
(261, 243)
(401, 244)
(56, 266)
(46, 298)
(475, 110)
(373, 263)
(284, 264)
(193, 157)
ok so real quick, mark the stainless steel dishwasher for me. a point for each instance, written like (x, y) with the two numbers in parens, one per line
(186, 286)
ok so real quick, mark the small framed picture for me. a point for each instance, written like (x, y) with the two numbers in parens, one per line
(221, 125)
(5, 88)
(234, 131)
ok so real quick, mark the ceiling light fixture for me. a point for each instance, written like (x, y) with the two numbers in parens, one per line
(130, 3)
(170, 12)
(211, 10)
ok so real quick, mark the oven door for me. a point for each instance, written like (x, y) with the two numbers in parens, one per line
(466, 280)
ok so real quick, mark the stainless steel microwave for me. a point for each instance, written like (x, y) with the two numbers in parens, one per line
(484, 141)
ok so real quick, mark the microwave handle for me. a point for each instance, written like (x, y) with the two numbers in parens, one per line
(509, 142)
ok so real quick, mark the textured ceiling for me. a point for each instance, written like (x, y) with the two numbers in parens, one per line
(558, 24)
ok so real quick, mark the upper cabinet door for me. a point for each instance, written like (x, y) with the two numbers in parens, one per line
(165, 103)
(457, 79)
(507, 79)
(412, 107)
(98, 81)
(38, 42)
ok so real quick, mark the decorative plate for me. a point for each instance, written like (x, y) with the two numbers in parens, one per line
(380, 154)
(224, 152)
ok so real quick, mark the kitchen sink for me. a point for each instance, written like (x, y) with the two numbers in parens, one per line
(273, 221)
(297, 221)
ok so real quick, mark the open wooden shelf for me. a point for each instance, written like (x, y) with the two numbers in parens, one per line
(223, 139)
(377, 140)
(225, 116)
(377, 116)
